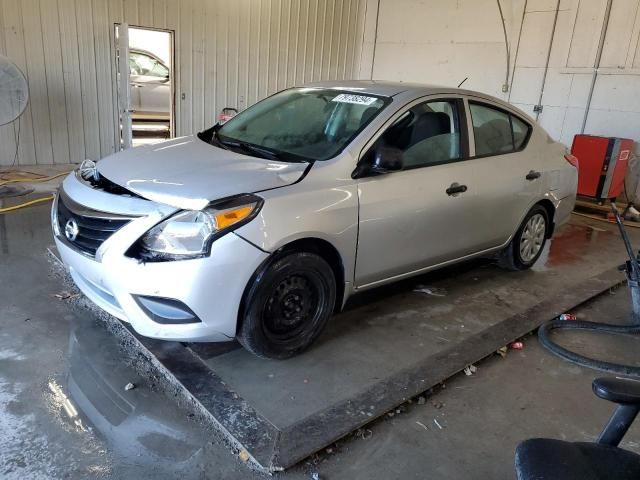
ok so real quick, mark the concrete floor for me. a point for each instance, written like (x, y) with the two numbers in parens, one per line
(64, 412)
(356, 345)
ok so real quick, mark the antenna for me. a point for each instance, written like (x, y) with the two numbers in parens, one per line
(465, 79)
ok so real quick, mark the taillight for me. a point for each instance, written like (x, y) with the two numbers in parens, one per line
(573, 160)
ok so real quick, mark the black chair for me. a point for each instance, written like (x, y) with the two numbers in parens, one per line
(547, 459)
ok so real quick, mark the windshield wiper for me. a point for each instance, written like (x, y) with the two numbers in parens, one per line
(245, 147)
(260, 151)
(248, 147)
(267, 153)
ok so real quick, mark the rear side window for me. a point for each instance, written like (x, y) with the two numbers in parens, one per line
(497, 131)
(520, 132)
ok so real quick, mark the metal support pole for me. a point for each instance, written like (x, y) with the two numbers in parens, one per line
(632, 268)
(618, 424)
(603, 36)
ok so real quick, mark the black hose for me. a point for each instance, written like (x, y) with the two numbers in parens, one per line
(632, 269)
(615, 368)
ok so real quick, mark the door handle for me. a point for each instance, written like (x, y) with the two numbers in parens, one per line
(455, 189)
(532, 175)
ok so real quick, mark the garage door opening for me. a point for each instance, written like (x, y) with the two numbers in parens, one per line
(145, 84)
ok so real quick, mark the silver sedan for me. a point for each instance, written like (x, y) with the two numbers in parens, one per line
(261, 228)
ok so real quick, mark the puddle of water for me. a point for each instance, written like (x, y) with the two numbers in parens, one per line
(26, 232)
(571, 244)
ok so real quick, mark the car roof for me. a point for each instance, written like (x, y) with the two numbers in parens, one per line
(387, 89)
(416, 90)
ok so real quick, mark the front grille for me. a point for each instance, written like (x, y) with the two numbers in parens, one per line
(94, 227)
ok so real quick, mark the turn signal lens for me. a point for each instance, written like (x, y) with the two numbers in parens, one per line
(226, 218)
(189, 233)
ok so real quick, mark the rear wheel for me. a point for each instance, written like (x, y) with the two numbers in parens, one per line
(528, 242)
(288, 305)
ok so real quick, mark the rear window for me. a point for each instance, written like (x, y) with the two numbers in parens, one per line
(497, 131)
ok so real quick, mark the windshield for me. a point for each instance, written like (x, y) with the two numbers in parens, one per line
(302, 124)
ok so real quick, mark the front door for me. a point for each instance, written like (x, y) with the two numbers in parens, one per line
(422, 215)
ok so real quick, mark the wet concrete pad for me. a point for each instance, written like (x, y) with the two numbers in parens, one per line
(389, 345)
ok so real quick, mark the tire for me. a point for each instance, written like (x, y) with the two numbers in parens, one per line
(287, 305)
(516, 256)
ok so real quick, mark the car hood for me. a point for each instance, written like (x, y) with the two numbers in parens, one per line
(189, 173)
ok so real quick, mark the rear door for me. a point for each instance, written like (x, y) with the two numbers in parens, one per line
(509, 179)
(421, 215)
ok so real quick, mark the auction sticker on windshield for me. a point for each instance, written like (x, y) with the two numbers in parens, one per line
(351, 98)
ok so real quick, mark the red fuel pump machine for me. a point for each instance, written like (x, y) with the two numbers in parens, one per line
(603, 165)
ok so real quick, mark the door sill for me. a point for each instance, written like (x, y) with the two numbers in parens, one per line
(412, 273)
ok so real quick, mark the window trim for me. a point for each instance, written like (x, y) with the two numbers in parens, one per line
(463, 120)
(525, 142)
(485, 103)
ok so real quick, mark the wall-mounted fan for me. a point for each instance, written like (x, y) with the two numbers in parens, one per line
(14, 96)
(14, 91)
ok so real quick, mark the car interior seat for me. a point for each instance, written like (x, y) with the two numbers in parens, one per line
(493, 136)
(548, 459)
(429, 124)
(413, 129)
(430, 140)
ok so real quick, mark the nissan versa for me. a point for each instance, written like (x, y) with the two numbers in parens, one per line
(261, 228)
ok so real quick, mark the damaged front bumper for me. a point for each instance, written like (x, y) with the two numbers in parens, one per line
(185, 300)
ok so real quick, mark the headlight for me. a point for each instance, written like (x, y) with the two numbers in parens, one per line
(189, 233)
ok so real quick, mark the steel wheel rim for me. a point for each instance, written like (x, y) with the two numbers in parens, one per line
(532, 237)
(294, 306)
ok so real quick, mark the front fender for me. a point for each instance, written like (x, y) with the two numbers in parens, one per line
(300, 212)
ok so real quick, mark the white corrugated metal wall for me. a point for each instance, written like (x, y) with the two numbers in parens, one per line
(228, 53)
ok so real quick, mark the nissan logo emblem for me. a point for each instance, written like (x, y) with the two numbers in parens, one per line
(71, 230)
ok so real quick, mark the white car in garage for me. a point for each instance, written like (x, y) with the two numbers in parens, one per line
(150, 86)
(261, 228)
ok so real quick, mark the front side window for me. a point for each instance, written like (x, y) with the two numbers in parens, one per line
(497, 131)
(304, 123)
(427, 134)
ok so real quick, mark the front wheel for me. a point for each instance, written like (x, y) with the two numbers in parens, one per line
(528, 242)
(287, 306)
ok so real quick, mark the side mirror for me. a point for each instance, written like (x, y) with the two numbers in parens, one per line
(378, 161)
(386, 159)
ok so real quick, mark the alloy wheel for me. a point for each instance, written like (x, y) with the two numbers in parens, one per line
(532, 237)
